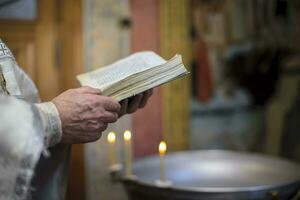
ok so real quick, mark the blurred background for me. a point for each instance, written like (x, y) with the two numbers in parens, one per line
(243, 92)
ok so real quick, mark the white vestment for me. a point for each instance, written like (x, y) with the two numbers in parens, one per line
(21, 143)
(49, 180)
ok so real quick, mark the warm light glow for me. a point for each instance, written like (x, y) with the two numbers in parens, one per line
(127, 135)
(162, 148)
(111, 137)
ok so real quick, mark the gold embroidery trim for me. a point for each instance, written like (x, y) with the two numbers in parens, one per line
(3, 82)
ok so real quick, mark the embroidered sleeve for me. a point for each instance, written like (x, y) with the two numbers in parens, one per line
(52, 123)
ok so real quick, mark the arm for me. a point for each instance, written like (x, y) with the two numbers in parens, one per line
(84, 114)
(78, 115)
(48, 112)
(81, 115)
(75, 116)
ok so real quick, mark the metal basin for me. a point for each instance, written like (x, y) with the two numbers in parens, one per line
(214, 174)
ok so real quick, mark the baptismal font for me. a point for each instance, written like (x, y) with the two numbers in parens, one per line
(206, 174)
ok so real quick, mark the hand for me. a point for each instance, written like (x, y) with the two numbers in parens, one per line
(132, 104)
(84, 114)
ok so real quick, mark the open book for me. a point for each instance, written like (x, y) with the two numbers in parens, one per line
(134, 74)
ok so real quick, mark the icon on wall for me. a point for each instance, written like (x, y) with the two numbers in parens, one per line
(18, 9)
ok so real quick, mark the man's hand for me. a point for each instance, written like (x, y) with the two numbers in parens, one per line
(132, 104)
(84, 114)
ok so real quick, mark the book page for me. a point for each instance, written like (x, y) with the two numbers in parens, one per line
(150, 83)
(140, 76)
(104, 77)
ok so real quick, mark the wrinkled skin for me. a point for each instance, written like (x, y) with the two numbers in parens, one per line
(85, 113)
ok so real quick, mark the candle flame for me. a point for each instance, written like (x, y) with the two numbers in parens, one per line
(162, 148)
(127, 135)
(111, 137)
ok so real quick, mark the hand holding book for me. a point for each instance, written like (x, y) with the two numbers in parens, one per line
(132, 104)
(134, 74)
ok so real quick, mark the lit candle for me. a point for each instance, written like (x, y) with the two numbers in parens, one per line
(162, 148)
(111, 139)
(128, 152)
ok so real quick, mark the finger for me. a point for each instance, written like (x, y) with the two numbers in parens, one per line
(108, 117)
(133, 105)
(90, 90)
(86, 126)
(108, 103)
(146, 96)
(91, 125)
(82, 137)
(95, 126)
(92, 134)
(91, 137)
(124, 106)
(112, 105)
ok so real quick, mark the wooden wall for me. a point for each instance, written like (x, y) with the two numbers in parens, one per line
(146, 123)
(175, 39)
(49, 49)
(105, 41)
(162, 26)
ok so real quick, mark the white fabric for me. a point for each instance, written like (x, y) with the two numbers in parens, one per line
(49, 177)
(21, 86)
(21, 142)
(52, 123)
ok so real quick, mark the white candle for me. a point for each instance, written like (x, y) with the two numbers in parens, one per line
(162, 148)
(111, 139)
(128, 153)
